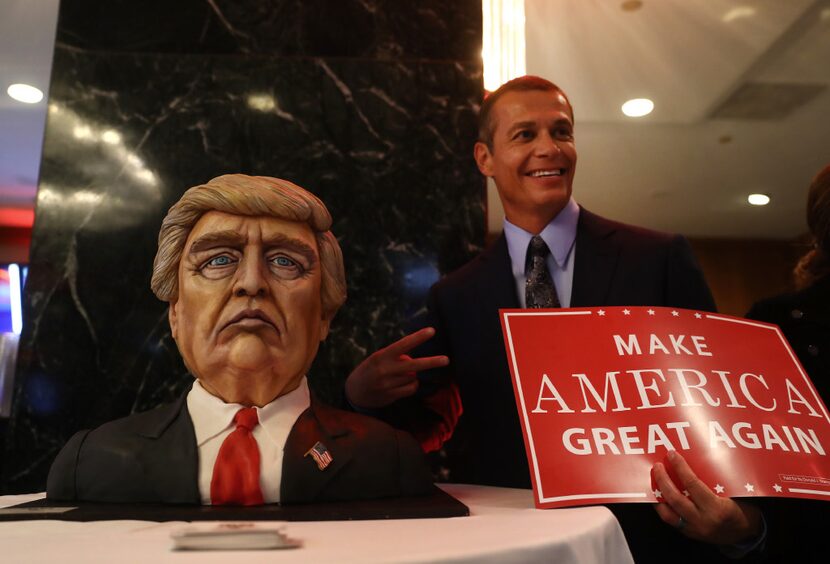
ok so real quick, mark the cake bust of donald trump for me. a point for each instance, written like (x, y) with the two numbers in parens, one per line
(253, 277)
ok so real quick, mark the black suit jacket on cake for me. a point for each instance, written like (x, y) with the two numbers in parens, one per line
(152, 457)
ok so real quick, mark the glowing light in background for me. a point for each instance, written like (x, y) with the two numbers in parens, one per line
(17, 217)
(14, 298)
(110, 141)
(261, 102)
(82, 132)
(146, 175)
(504, 41)
(738, 13)
(25, 93)
(638, 107)
(758, 199)
(86, 198)
(110, 136)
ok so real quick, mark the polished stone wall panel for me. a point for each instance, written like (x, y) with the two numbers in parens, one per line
(375, 29)
(370, 105)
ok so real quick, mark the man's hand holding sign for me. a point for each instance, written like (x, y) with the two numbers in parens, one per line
(605, 394)
(702, 514)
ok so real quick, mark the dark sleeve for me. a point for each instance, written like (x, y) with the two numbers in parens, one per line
(438, 345)
(753, 313)
(432, 413)
(61, 483)
(685, 284)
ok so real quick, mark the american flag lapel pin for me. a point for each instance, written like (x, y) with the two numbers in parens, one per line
(320, 454)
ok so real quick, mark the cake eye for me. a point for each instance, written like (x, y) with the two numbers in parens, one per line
(286, 267)
(284, 261)
(221, 260)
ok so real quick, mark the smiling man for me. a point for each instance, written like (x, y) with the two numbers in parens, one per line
(253, 277)
(527, 146)
(457, 392)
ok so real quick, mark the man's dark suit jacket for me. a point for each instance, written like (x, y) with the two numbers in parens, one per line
(614, 265)
(152, 457)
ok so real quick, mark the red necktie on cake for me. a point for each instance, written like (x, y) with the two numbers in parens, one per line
(236, 471)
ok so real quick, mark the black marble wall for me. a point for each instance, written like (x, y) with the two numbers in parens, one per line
(370, 104)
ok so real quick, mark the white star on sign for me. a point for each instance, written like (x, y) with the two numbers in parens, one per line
(749, 487)
(651, 312)
(719, 488)
(777, 488)
(601, 312)
(698, 316)
(686, 493)
(657, 493)
(675, 314)
(626, 312)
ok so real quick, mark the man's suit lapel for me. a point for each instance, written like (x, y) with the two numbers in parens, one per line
(495, 284)
(595, 262)
(302, 479)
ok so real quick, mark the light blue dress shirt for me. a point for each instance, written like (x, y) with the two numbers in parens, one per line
(560, 236)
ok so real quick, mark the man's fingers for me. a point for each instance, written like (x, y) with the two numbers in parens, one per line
(675, 499)
(403, 391)
(397, 379)
(390, 374)
(667, 514)
(404, 367)
(409, 342)
(425, 363)
(699, 492)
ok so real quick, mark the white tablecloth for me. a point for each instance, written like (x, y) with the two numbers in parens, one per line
(503, 527)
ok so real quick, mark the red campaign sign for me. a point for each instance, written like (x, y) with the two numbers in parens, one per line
(603, 393)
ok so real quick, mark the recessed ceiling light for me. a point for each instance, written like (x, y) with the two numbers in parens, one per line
(25, 93)
(758, 199)
(638, 107)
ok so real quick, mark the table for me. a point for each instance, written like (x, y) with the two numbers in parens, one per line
(503, 527)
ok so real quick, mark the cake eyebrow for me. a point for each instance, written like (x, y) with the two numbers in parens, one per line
(216, 239)
(229, 238)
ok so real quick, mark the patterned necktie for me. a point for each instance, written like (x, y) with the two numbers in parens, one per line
(236, 471)
(539, 291)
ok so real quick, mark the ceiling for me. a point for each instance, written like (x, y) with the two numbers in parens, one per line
(27, 38)
(741, 94)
